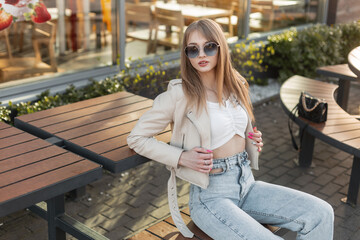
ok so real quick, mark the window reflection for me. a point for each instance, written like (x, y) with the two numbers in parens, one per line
(78, 37)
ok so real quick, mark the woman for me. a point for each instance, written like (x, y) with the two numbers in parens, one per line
(213, 145)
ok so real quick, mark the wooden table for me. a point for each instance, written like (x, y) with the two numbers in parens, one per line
(354, 61)
(341, 130)
(33, 170)
(195, 12)
(96, 128)
(345, 76)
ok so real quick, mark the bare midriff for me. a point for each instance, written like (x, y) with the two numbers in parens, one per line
(235, 145)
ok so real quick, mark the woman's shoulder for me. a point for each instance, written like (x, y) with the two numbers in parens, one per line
(175, 83)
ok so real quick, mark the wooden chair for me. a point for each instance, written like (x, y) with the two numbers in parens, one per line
(4, 34)
(232, 22)
(174, 21)
(262, 15)
(44, 34)
(139, 14)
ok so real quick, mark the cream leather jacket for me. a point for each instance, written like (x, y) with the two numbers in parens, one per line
(189, 129)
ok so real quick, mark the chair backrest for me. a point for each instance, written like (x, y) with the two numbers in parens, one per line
(44, 32)
(169, 18)
(138, 13)
(263, 6)
(264, 12)
(4, 33)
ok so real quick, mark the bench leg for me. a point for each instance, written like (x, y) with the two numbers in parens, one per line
(353, 191)
(55, 208)
(343, 93)
(307, 149)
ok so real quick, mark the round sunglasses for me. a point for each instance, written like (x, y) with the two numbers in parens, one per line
(210, 49)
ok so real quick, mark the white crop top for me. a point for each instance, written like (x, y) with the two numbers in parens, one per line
(225, 122)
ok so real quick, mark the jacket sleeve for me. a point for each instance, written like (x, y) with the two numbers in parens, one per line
(141, 138)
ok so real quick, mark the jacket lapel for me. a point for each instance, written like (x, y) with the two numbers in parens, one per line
(202, 124)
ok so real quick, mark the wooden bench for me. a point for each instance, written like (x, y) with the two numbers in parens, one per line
(345, 76)
(354, 61)
(33, 170)
(97, 129)
(166, 230)
(341, 130)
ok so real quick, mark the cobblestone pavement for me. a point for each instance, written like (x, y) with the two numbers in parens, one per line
(119, 205)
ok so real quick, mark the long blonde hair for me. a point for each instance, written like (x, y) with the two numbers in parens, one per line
(227, 78)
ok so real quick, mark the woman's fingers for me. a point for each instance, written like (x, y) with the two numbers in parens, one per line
(257, 139)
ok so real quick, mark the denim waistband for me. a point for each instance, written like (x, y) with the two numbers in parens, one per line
(227, 162)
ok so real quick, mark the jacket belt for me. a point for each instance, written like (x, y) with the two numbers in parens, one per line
(174, 207)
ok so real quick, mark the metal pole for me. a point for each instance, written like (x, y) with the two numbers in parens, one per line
(243, 18)
(119, 38)
(322, 11)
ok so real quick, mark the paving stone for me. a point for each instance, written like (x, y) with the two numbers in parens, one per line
(111, 224)
(283, 180)
(161, 212)
(323, 179)
(117, 210)
(352, 223)
(341, 233)
(140, 223)
(330, 189)
(119, 233)
(344, 211)
(304, 180)
(336, 171)
(140, 211)
(342, 180)
(310, 188)
(278, 171)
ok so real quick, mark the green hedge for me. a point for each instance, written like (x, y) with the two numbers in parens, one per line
(301, 52)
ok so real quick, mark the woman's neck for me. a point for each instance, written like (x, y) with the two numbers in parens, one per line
(208, 79)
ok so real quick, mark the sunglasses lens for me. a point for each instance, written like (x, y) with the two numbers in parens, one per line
(210, 49)
(191, 51)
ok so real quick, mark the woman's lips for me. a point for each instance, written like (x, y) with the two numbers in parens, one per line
(203, 63)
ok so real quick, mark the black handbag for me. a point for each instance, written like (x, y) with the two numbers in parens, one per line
(310, 108)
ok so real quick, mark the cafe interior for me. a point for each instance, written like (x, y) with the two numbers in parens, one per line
(84, 34)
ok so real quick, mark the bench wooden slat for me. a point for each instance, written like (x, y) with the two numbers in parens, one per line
(12, 140)
(74, 106)
(121, 153)
(346, 135)
(144, 235)
(4, 126)
(52, 119)
(30, 157)
(46, 179)
(22, 148)
(97, 118)
(341, 128)
(341, 71)
(6, 132)
(97, 126)
(102, 135)
(37, 168)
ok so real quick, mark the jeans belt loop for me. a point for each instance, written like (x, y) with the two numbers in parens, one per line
(227, 164)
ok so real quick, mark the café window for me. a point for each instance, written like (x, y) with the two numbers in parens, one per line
(77, 37)
(155, 27)
(268, 15)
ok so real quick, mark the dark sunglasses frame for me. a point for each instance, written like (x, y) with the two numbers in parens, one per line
(206, 51)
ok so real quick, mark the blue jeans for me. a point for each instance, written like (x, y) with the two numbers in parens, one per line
(234, 205)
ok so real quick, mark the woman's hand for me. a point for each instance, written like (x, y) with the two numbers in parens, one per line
(198, 159)
(256, 137)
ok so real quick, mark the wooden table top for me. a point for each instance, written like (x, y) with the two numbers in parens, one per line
(340, 129)
(195, 12)
(96, 128)
(354, 61)
(33, 170)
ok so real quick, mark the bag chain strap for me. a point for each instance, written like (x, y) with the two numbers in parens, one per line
(305, 107)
